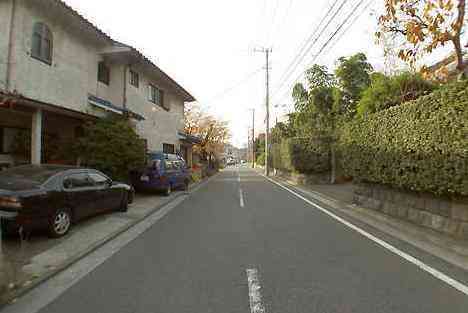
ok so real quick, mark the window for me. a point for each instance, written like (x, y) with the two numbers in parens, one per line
(98, 179)
(134, 79)
(156, 95)
(79, 180)
(168, 148)
(42, 42)
(103, 73)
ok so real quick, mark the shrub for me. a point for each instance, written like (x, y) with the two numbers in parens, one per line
(386, 91)
(303, 155)
(421, 145)
(261, 159)
(112, 146)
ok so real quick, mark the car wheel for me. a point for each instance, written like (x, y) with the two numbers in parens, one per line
(124, 204)
(168, 190)
(60, 223)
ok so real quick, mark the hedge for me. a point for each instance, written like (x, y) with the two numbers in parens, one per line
(303, 155)
(420, 145)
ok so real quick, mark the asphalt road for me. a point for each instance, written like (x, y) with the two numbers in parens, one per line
(269, 252)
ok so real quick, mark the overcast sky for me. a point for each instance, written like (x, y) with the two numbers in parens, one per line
(207, 45)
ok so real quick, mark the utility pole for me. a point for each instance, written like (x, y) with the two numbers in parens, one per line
(253, 138)
(267, 52)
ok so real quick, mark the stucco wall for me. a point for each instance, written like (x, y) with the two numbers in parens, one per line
(5, 13)
(160, 126)
(73, 73)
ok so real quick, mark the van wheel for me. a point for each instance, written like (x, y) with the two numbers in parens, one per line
(60, 223)
(168, 190)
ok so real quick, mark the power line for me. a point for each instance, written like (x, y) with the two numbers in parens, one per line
(350, 25)
(234, 86)
(353, 11)
(308, 46)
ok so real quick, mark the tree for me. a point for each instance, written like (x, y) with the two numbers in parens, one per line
(423, 26)
(112, 146)
(214, 133)
(388, 91)
(353, 75)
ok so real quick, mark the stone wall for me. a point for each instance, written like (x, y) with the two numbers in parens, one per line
(304, 179)
(448, 216)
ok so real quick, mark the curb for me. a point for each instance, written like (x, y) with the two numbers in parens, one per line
(38, 281)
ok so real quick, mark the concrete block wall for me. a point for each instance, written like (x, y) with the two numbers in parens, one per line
(448, 216)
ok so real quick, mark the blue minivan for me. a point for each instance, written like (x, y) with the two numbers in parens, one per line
(164, 172)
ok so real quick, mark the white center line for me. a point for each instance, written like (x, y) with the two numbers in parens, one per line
(255, 296)
(434, 272)
(241, 198)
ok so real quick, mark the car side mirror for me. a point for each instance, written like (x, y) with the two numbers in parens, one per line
(109, 182)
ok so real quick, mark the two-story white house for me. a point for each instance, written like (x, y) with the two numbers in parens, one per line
(58, 70)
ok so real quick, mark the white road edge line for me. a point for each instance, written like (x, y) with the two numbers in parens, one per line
(437, 274)
(255, 296)
(241, 198)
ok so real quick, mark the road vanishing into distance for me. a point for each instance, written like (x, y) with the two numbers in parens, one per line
(242, 243)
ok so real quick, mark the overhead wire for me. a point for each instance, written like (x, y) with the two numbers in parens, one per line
(233, 87)
(352, 12)
(309, 44)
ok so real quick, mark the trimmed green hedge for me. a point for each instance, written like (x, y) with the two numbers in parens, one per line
(420, 145)
(303, 155)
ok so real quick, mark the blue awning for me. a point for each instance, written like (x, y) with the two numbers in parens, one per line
(189, 138)
(108, 106)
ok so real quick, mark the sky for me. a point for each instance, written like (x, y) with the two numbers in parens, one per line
(208, 46)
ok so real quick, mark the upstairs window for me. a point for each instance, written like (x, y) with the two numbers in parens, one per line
(42, 42)
(156, 95)
(134, 79)
(103, 73)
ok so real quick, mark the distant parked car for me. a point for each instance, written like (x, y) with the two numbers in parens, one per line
(53, 197)
(164, 172)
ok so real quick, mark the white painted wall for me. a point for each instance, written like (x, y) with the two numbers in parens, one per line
(73, 73)
(5, 13)
(161, 126)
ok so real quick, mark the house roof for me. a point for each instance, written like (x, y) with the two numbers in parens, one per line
(186, 95)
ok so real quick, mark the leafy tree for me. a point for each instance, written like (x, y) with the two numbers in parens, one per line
(388, 91)
(423, 26)
(353, 75)
(112, 146)
(213, 132)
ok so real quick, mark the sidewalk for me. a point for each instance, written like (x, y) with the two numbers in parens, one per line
(340, 197)
(25, 264)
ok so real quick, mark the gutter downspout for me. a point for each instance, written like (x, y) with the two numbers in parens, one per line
(10, 46)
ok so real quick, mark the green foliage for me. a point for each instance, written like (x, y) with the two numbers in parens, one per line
(386, 91)
(353, 74)
(303, 155)
(261, 159)
(112, 146)
(421, 145)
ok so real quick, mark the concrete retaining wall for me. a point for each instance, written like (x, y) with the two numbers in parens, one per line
(304, 179)
(443, 215)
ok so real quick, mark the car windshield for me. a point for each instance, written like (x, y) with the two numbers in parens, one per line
(38, 174)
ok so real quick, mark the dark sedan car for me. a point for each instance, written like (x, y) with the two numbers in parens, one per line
(53, 197)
